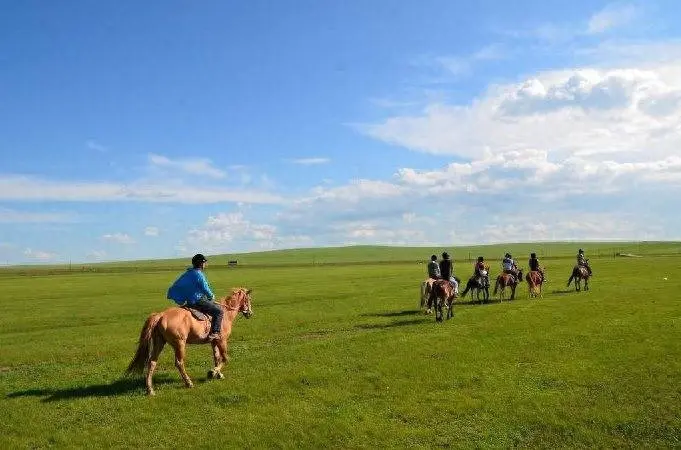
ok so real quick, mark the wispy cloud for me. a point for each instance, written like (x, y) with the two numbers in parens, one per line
(14, 216)
(611, 17)
(151, 231)
(310, 161)
(39, 255)
(193, 166)
(96, 146)
(119, 238)
(97, 255)
(28, 188)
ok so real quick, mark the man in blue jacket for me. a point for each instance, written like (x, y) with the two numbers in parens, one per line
(192, 289)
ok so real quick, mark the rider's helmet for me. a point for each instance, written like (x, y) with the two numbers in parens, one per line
(445, 255)
(581, 251)
(433, 258)
(480, 259)
(533, 255)
(507, 255)
(198, 259)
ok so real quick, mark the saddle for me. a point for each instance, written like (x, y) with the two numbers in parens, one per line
(198, 315)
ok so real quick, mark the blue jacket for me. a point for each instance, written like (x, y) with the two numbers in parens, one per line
(190, 287)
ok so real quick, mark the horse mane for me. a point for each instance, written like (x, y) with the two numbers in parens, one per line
(228, 300)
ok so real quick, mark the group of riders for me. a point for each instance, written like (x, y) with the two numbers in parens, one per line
(444, 269)
(191, 288)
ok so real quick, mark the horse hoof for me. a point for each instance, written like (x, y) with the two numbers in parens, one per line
(210, 375)
(220, 376)
(151, 393)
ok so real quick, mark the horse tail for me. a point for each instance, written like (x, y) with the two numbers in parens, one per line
(496, 285)
(144, 347)
(571, 277)
(465, 291)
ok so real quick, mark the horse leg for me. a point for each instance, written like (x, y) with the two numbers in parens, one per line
(219, 358)
(157, 346)
(180, 352)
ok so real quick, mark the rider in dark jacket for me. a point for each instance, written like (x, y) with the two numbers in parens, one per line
(534, 265)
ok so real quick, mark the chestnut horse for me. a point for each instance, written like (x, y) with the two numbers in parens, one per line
(505, 280)
(579, 273)
(534, 284)
(178, 327)
(442, 294)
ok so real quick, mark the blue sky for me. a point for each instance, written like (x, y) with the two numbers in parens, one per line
(164, 129)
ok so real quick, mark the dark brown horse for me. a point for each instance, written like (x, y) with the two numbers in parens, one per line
(579, 273)
(178, 327)
(534, 284)
(505, 280)
(442, 294)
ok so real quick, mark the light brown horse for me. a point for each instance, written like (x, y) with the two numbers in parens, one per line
(426, 286)
(442, 294)
(579, 273)
(534, 284)
(505, 280)
(178, 327)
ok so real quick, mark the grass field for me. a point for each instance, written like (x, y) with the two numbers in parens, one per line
(338, 355)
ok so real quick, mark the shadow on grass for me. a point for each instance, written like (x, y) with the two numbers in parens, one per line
(397, 323)
(118, 387)
(406, 312)
(562, 291)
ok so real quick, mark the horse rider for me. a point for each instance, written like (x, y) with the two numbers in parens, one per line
(447, 271)
(192, 289)
(481, 272)
(582, 261)
(433, 268)
(509, 266)
(534, 265)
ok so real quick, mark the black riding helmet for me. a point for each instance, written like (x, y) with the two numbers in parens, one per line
(198, 259)
(480, 258)
(533, 255)
(433, 258)
(445, 255)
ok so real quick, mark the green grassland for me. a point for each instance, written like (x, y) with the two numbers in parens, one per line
(338, 355)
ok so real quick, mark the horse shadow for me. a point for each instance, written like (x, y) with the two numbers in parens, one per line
(406, 312)
(396, 323)
(119, 387)
(562, 291)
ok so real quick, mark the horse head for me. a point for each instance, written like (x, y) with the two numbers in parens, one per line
(240, 300)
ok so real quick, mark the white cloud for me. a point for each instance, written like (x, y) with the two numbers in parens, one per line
(119, 238)
(39, 255)
(612, 16)
(566, 113)
(27, 188)
(193, 166)
(310, 161)
(151, 231)
(224, 228)
(14, 216)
